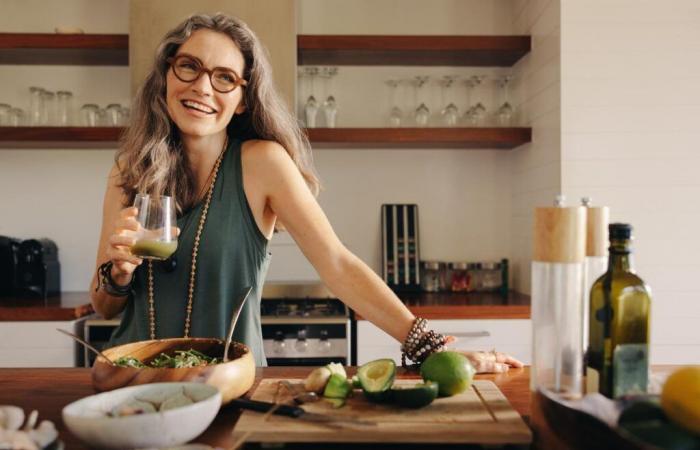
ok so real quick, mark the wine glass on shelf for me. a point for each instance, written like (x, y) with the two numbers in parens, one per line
(479, 111)
(311, 105)
(422, 112)
(450, 113)
(156, 237)
(505, 113)
(330, 107)
(395, 114)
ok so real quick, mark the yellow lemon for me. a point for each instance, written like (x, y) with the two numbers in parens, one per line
(680, 398)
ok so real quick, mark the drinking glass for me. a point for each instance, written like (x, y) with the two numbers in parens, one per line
(479, 110)
(114, 115)
(311, 105)
(422, 112)
(125, 114)
(505, 113)
(88, 114)
(36, 105)
(17, 117)
(49, 113)
(4, 114)
(395, 114)
(157, 236)
(65, 108)
(450, 113)
(330, 107)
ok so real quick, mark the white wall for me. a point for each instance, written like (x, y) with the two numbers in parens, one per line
(630, 115)
(536, 167)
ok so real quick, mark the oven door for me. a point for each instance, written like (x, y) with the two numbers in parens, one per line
(306, 344)
(305, 361)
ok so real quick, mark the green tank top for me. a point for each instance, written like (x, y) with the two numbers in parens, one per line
(232, 256)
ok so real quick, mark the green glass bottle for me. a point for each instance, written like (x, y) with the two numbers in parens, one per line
(617, 360)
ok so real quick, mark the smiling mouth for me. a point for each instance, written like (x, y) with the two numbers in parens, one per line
(189, 104)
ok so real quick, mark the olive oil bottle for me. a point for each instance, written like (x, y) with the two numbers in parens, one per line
(617, 359)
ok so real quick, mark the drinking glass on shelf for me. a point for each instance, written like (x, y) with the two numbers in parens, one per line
(422, 112)
(479, 110)
(65, 108)
(450, 113)
(4, 114)
(125, 114)
(36, 106)
(311, 105)
(88, 114)
(330, 107)
(395, 114)
(157, 235)
(49, 113)
(17, 118)
(505, 113)
(113, 115)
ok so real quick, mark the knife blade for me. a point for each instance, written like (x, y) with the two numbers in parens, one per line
(298, 412)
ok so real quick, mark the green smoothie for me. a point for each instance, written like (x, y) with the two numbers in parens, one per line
(151, 249)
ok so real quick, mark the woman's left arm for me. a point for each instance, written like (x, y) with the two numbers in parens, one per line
(345, 274)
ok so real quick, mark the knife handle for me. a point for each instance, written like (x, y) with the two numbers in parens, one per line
(256, 405)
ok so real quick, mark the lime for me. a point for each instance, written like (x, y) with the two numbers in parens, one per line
(417, 396)
(452, 372)
(680, 398)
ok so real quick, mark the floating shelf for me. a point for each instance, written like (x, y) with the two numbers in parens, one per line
(64, 49)
(467, 138)
(502, 51)
(59, 137)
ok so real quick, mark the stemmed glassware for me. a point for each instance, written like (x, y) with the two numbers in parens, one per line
(505, 113)
(157, 235)
(422, 112)
(311, 106)
(330, 107)
(395, 114)
(450, 113)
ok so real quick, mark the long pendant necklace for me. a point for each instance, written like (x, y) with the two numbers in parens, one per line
(195, 249)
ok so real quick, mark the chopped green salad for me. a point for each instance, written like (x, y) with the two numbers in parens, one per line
(182, 359)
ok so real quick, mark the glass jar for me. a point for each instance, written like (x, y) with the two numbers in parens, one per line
(432, 276)
(65, 108)
(491, 276)
(460, 279)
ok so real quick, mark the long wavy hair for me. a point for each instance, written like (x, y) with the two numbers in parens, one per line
(151, 158)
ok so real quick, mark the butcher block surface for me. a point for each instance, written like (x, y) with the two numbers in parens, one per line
(481, 415)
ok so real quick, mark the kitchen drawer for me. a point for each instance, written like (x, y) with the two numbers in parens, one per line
(508, 336)
(35, 334)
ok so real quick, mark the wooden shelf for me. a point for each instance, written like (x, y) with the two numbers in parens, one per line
(502, 51)
(64, 49)
(467, 138)
(59, 137)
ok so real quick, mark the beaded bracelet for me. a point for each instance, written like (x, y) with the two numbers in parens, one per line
(105, 281)
(420, 344)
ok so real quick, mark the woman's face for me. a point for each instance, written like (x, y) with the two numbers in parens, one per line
(195, 107)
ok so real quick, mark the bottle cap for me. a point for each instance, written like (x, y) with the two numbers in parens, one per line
(620, 231)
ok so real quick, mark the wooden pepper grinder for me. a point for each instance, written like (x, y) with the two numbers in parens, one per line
(557, 296)
(597, 220)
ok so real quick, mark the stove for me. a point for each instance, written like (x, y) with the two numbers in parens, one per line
(304, 324)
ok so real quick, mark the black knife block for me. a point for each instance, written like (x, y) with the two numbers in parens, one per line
(400, 254)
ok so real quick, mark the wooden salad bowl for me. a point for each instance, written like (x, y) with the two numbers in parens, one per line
(233, 378)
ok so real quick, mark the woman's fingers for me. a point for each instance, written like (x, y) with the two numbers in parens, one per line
(511, 361)
(491, 362)
(128, 212)
(126, 223)
(121, 240)
(118, 256)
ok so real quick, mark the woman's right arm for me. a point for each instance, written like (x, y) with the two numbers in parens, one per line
(116, 237)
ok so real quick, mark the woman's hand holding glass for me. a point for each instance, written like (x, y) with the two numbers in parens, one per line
(156, 237)
(126, 228)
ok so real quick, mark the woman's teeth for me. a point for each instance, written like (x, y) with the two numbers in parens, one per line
(198, 107)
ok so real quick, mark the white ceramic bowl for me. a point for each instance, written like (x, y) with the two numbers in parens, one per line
(88, 417)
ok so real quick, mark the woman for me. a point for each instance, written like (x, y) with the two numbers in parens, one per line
(209, 129)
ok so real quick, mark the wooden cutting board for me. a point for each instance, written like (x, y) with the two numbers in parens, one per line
(481, 415)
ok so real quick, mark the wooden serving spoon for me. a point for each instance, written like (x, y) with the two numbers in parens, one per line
(88, 346)
(234, 318)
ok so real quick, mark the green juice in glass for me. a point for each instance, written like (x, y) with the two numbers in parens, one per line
(153, 249)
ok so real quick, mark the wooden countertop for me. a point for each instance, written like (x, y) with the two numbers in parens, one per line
(472, 305)
(66, 306)
(49, 390)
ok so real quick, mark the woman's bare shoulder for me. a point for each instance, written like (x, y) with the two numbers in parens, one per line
(261, 150)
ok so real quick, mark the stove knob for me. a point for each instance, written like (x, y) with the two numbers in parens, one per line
(301, 345)
(324, 344)
(278, 345)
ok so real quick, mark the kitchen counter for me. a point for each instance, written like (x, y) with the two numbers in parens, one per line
(66, 306)
(472, 305)
(49, 390)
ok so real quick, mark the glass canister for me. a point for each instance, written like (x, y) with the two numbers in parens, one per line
(491, 276)
(460, 280)
(432, 277)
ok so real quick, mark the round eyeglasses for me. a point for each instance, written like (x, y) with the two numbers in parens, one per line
(188, 69)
